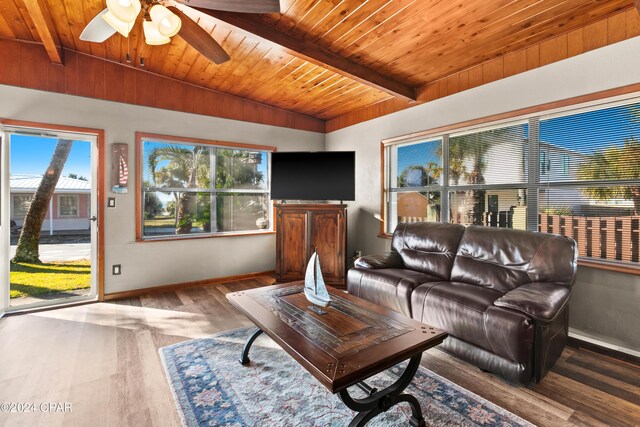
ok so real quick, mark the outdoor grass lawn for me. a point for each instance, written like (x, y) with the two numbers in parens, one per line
(38, 279)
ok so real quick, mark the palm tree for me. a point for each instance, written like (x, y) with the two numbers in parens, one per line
(474, 147)
(187, 168)
(28, 243)
(427, 175)
(614, 163)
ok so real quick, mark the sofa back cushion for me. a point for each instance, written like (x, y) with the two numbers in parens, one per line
(428, 247)
(503, 259)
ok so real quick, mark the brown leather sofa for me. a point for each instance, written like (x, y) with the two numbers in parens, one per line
(501, 294)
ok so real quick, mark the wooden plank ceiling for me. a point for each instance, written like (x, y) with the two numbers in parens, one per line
(411, 42)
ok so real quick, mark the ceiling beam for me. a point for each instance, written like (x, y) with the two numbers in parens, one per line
(637, 5)
(46, 30)
(310, 52)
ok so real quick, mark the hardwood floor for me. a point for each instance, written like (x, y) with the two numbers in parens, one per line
(103, 359)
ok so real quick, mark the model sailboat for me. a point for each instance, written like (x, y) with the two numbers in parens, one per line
(314, 288)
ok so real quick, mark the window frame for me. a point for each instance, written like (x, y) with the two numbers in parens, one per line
(141, 137)
(59, 205)
(582, 104)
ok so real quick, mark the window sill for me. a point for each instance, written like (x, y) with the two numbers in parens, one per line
(617, 266)
(206, 236)
(385, 236)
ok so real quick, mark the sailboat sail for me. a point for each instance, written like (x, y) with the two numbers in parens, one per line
(314, 287)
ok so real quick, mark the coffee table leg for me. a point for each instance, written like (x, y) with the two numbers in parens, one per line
(244, 358)
(383, 400)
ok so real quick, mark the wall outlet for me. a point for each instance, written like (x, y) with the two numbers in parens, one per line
(111, 202)
(357, 254)
(116, 269)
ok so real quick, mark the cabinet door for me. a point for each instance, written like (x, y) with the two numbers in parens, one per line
(326, 236)
(292, 245)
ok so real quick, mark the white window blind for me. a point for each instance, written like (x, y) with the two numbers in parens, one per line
(593, 195)
(575, 173)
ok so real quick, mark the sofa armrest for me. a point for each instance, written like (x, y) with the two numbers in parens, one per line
(375, 262)
(540, 301)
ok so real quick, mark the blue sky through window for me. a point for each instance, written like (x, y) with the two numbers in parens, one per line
(31, 155)
(585, 133)
(594, 130)
(418, 154)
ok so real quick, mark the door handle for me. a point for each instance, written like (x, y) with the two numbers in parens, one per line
(93, 218)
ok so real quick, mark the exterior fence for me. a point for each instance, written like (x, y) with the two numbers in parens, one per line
(613, 238)
(404, 219)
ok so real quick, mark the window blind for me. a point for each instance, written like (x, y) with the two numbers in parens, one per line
(591, 191)
(575, 173)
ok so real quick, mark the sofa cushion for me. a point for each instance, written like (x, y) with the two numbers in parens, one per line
(466, 311)
(506, 259)
(389, 287)
(428, 247)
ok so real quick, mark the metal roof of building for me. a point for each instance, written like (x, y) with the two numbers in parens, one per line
(29, 183)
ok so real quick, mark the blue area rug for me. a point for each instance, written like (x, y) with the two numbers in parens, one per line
(211, 388)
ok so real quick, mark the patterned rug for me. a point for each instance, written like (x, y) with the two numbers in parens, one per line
(211, 388)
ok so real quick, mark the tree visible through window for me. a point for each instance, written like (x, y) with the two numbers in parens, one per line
(583, 165)
(203, 189)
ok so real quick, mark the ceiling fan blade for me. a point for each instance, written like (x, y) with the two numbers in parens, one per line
(199, 39)
(242, 6)
(97, 30)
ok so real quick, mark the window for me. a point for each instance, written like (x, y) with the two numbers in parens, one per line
(21, 204)
(575, 173)
(596, 200)
(545, 164)
(415, 181)
(486, 173)
(68, 206)
(565, 164)
(191, 189)
(483, 183)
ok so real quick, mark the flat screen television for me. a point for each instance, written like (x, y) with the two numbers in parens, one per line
(326, 175)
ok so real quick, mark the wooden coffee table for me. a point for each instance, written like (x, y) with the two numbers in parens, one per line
(352, 342)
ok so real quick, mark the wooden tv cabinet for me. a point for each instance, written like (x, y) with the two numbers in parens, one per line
(302, 227)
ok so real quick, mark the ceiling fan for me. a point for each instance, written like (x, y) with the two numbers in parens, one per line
(160, 22)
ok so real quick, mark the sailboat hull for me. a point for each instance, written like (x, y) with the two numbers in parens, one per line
(316, 299)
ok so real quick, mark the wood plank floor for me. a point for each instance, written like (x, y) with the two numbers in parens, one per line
(103, 359)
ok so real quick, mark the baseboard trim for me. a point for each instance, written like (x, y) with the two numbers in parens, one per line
(184, 285)
(601, 347)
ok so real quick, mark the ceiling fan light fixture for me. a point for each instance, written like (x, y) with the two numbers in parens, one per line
(167, 22)
(118, 25)
(125, 10)
(152, 35)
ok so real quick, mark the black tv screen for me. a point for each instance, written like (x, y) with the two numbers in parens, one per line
(327, 175)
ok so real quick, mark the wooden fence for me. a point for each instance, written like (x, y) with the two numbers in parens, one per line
(412, 219)
(614, 238)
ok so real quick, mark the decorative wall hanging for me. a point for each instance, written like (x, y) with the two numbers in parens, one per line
(119, 168)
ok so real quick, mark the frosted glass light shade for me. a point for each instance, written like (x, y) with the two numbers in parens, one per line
(125, 10)
(118, 25)
(152, 35)
(168, 23)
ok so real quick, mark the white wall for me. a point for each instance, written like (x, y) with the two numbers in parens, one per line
(614, 319)
(158, 263)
